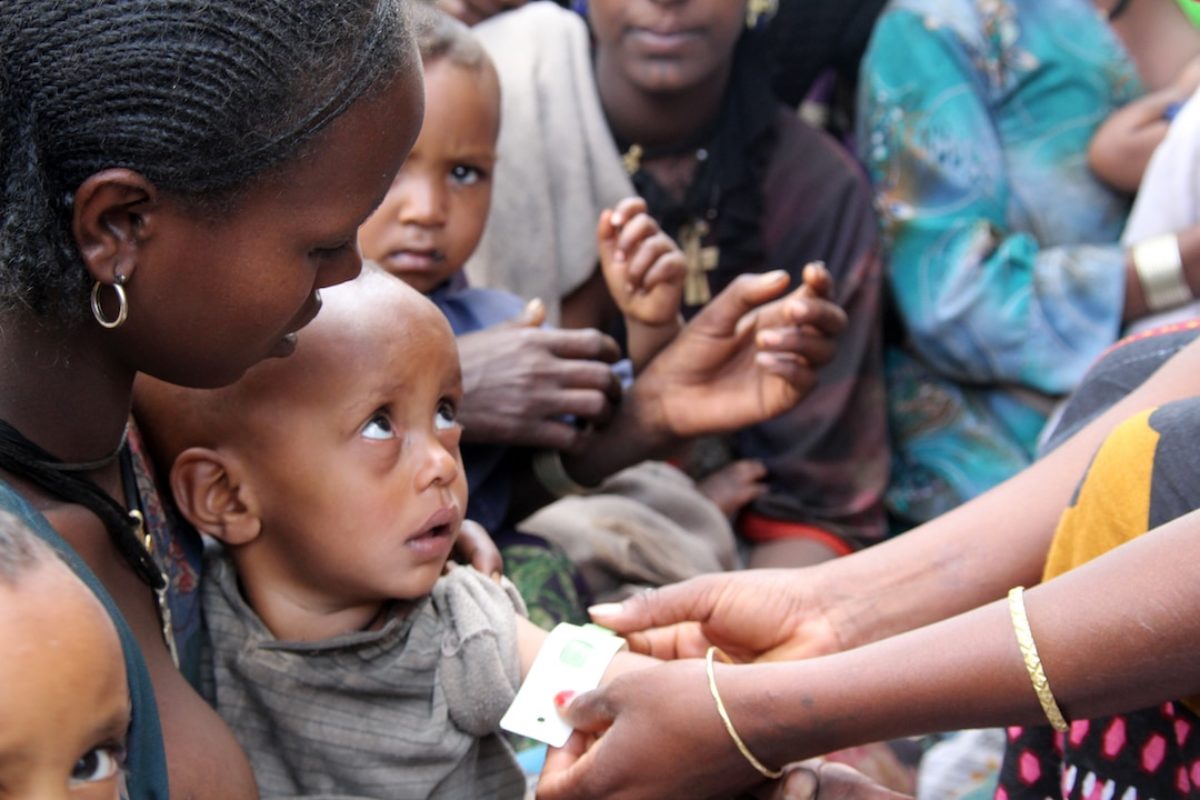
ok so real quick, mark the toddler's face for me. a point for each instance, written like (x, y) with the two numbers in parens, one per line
(666, 47)
(356, 471)
(434, 214)
(64, 703)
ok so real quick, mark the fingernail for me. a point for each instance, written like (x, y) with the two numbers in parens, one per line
(774, 275)
(801, 784)
(496, 576)
(604, 609)
(563, 698)
(617, 219)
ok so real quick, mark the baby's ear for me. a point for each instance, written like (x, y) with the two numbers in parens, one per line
(210, 495)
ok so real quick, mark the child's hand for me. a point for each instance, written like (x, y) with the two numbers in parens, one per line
(642, 265)
(475, 547)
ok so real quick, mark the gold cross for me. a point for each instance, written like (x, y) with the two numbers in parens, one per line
(700, 260)
(633, 158)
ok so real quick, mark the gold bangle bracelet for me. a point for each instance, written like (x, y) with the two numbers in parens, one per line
(772, 774)
(1033, 662)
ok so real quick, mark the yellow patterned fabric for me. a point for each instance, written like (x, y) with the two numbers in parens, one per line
(1112, 505)
(1117, 500)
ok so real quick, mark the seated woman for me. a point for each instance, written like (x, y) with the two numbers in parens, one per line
(1003, 258)
(674, 102)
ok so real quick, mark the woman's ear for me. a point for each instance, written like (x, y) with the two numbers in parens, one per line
(210, 495)
(112, 213)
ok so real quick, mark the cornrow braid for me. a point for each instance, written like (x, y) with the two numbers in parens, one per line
(199, 96)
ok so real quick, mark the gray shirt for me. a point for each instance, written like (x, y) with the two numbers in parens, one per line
(407, 711)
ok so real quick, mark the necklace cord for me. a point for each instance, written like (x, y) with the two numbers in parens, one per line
(22, 457)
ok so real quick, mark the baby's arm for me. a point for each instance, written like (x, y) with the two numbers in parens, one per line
(644, 271)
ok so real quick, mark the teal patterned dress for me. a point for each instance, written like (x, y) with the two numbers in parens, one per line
(1005, 272)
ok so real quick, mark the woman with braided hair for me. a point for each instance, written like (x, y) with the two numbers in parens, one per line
(177, 181)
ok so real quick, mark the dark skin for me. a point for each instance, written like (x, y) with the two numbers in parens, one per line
(198, 315)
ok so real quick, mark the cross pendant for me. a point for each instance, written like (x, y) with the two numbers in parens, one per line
(700, 260)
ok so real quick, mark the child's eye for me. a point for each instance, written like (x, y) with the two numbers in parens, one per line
(446, 415)
(379, 427)
(466, 175)
(98, 764)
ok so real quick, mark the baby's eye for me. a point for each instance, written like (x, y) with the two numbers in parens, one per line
(379, 427)
(98, 764)
(466, 175)
(446, 415)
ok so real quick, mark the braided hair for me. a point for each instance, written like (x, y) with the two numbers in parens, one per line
(199, 96)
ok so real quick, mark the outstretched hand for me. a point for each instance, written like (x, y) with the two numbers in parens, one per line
(522, 382)
(745, 358)
(474, 546)
(648, 734)
(642, 266)
(752, 615)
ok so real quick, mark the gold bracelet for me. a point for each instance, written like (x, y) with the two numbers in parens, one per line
(1033, 663)
(772, 774)
(1159, 267)
(550, 472)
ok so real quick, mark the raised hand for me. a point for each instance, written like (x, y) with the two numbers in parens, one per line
(642, 266)
(745, 358)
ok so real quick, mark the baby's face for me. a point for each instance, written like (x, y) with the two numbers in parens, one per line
(64, 703)
(355, 472)
(434, 214)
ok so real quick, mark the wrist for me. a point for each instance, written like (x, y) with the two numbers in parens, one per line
(778, 710)
(673, 324)
(636, 433)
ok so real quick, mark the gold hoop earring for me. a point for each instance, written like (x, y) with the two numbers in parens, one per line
(118, 286)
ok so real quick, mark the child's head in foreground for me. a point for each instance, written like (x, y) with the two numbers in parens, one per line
(333, 476)
(434, 214)
(64, 703)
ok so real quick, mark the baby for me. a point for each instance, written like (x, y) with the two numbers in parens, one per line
(348, 659)
(65, 702)
(434, 215)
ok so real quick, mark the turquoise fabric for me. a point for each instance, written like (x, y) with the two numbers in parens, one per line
(146, 764)
(974, 121)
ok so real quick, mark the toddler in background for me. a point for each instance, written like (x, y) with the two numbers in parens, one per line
(65, 702)
(348, 660)
(433, 217)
